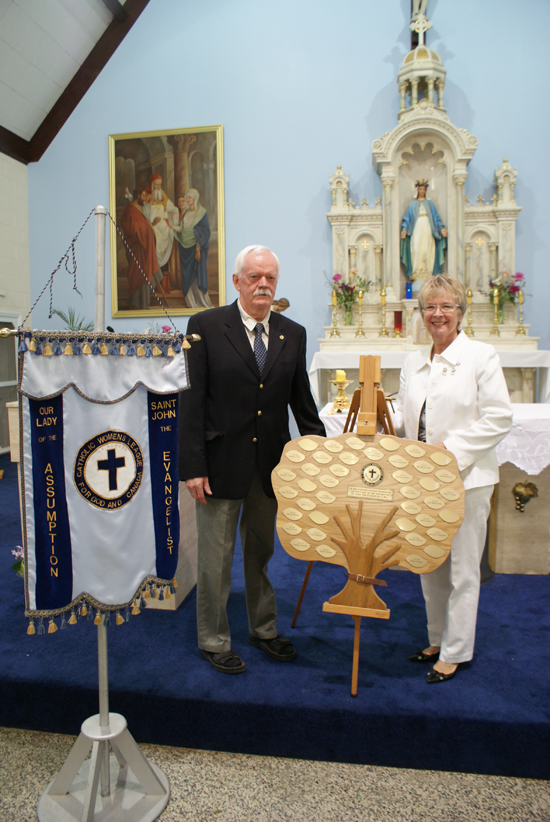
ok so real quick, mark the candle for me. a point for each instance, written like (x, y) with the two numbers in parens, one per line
(469, 296)
(360, 299)
(398, 321)
(334, 296)
(340, 376)
(520, 292)
(383, 297)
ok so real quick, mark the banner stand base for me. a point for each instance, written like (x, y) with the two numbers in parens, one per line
(139, 792)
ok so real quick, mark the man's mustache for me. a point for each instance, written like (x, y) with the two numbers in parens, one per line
(262, 292)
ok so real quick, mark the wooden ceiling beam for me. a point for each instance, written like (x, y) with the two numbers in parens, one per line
(30, 151)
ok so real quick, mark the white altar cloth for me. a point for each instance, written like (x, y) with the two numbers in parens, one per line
(395, 359)
(527, 445)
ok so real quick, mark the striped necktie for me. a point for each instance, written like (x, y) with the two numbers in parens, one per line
(260, 351)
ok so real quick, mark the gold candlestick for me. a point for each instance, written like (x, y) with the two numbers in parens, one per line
(495, 329)
(383, 331)
(334, 330)
(520, 329)
(360, 332)
(469, 330)
(342, 400)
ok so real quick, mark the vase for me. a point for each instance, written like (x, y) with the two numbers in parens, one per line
(348, 315)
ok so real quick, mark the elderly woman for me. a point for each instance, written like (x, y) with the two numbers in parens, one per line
(193, 236)
(453, 394)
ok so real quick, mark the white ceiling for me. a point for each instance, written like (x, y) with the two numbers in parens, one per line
(42, 45)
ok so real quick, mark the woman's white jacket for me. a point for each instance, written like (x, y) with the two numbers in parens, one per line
(467, 405)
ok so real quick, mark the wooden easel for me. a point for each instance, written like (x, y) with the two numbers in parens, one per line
(368, 407)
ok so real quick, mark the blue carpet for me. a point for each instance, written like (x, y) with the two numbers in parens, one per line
(493, 717)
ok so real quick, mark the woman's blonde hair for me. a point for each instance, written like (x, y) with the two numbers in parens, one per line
(442, 282)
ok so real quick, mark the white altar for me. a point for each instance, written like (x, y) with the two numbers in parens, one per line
(424, 160)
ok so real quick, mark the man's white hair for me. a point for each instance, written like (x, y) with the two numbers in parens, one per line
(253, 249)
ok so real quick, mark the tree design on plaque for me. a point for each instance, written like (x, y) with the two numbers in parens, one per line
(367, 503)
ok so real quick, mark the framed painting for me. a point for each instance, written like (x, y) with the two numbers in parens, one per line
(166, 196)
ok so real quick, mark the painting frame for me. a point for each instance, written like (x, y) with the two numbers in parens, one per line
(166, 195)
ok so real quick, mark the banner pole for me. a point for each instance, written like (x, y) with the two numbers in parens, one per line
(101, 214)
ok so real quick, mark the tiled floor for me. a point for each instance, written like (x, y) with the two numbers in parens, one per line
(236, 788)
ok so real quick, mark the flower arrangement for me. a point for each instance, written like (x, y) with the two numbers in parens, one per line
(347, 294)
(508, 287)
(19, 564)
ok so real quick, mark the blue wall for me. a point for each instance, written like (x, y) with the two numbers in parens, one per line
(300, 86)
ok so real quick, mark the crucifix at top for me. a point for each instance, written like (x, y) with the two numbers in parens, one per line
(419, 21)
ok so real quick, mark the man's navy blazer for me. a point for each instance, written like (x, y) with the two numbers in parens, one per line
(232, 417)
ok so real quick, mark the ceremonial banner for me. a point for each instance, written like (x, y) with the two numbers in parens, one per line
(98, 418)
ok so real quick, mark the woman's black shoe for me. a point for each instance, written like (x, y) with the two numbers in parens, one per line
(420, 656)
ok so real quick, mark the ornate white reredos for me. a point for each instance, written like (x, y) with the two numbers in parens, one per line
(424, 144)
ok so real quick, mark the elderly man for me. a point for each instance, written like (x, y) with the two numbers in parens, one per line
(248, 368)
(141, 251)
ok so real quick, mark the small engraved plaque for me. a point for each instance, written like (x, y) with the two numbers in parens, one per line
(389, 444)
(333, 446)
(324, 497)
(434, 551)
(411, 507)
(437, 534)
(291, 528)
(300, 544)
(307, 444)
(348, 458)
(426, 520)
(295, 456)
(292, 513)
(319, 518)
(415, 451)
(322, 457)
(373, 453)
(286, 474)
(450, 494)
(416, 561)
(416, 540)
(355, 443)
(423, 466)
(409, 492)
(310, 469)
(316, 534)
(434, 502)
(325, 550)
(402, 476)
(440, 458)
(398, 461)
(429, 484)
(449, 516)
(405, 524)
(288, 492)
(383, 494)
(339, 470)
(307, 485)
(445, 476)
(306, 504)
(328, 481)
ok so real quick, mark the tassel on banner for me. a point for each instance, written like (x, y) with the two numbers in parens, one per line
(86, 348)
(97, 620)
(160, 594)
(68, 350)
(175, 584)
(52, 627)
(130, 351)
(147, 592)
(58, 350)
(77, 349)
(72, 619)
(156, 351)
(170, 352)
(32, 345)
(113, 351)
(104, 349)
(47, 352)
(142, 603)
(31, 629)
(135, 608)
(119, 619)
(63, 623)
(83, 610)
(185, 345)
(148, 352)
(23, 346)
(95, 348)
(41, 629)
(127, 614)
(107, 619)
(140, 350)
(121, 350)
(167, 593)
